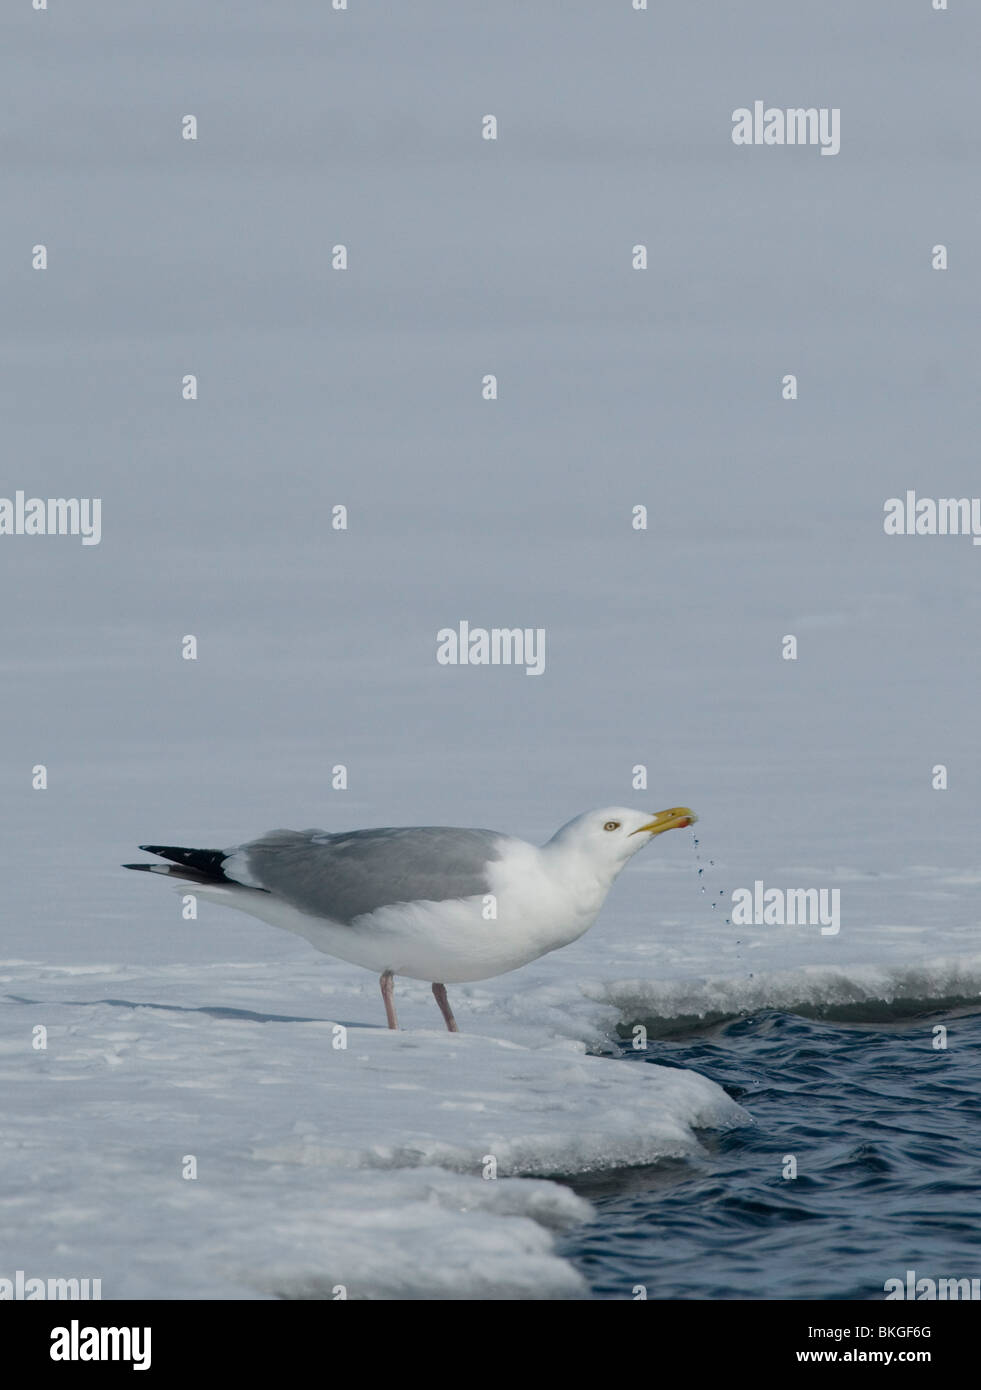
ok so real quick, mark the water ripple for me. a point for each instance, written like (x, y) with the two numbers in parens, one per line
(883, 1129)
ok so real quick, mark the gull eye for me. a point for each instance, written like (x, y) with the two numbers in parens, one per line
(612, 825)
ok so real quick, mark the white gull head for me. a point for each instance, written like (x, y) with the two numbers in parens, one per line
(614, 834)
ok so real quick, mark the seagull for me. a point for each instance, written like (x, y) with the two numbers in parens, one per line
(431, 902)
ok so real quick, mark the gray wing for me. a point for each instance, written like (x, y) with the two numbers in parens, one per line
(346, 875)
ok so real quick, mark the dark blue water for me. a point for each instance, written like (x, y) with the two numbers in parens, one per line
(886, 1131)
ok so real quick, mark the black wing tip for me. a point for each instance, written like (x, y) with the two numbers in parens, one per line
(180, 852)
(207, 860)
(195, 865)
(198, 865)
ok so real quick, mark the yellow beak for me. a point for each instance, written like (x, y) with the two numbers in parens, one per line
(675, 819)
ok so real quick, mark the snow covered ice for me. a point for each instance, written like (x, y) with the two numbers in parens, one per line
(317, 1166)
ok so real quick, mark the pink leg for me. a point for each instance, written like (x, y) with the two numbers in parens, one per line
(444, 1007)
(387, 995)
